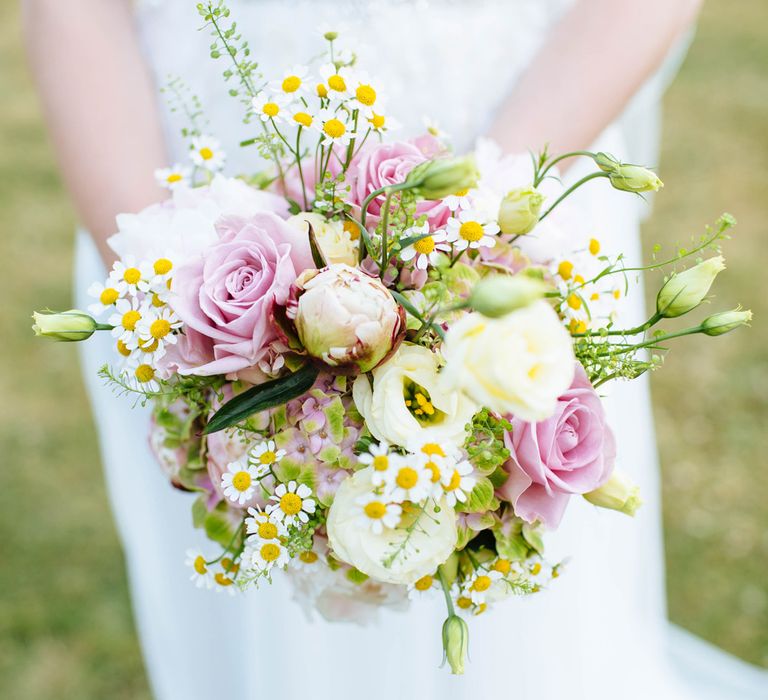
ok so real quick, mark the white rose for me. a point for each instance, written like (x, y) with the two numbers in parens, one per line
(518, 364)
(392, 556)
(408, 401)
(335, 243)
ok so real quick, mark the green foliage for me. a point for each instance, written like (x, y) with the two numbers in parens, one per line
(485, 444)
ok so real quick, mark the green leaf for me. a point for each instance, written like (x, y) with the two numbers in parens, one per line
(532, 535)
(261, 397)
(314, 246)
(481, 497)
(512, 547)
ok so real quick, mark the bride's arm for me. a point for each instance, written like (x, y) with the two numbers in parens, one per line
(100, 106)
(595, 59)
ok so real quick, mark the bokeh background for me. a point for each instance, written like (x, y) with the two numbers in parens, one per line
(65, 622)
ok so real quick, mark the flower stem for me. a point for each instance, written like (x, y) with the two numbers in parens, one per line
(446, 591)
(571, 189)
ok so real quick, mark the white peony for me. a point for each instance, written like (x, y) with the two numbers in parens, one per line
(181, 227)
(392, 556)
(408, 401)
(335, 242)
(518, 364)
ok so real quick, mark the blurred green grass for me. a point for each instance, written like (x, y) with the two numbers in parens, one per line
(65, 624)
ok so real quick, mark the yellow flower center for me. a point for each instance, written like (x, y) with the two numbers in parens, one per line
(471, 231)
(291, 83)
(162, 266)
(594, 296)
(308, 557)
(425, 246)
(267, 531)
(381, 463)
(199, 565)
(290, 504)
(271, 109)
(578, 279)
(461, 193)
(616, 293)
(463, 602)
(130, 319)
(594, 246)
(536, 569)
(351, 228)
(149, 347)
(375, 510)
(424, 583)
(455, 481)
(577, 326)
(334, 128)
(144, 373)
(228, 565)
(160, 328)
(242, 481)
(377, 121)
(565, 269)
(303, 118)
(173, 177)
(222, 580)
(366, 95)
(270, 552)
(336, 82)
(406, 478)
(481, 583)
(574, 301)
(108, 296)
(267, 457)
(435, 470)
(206, 153)
(322, 91)
(503, 566)
(419, 403)
(432, 448)
(122, 348)
(132, 275)
(157, 302)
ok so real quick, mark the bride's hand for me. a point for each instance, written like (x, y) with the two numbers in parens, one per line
(99, 103)
(593, 62)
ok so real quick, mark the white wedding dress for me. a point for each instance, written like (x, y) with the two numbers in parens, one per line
(601, 632)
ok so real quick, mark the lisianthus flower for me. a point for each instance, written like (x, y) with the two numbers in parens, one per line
(425, 251)
(292, 503)
(375, 513)
(207, 153)
(293, 82)
(470, 230)
(171, 178)
(269, 107)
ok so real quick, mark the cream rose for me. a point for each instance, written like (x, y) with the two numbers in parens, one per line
(517, 364)
(408, 401)
(396, 555)
(335, 243)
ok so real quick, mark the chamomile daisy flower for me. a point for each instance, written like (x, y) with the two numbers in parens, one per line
(425, 251)
(262, 456)
(458, 483)
(332, 127)
(375, 513)
(339, 81)
(292, 83)
(142, 352)
(160, 277)
(292, 503)
(128, 313)
(378, 457)
(458, 200)
(171, 178)
(308, 560)
(201, 573)
(157, 326)
(206, 152)
(478, 587)
(433, 128)
(381, 122)
(263, 526)
(142, 377)
(129, 277)
(364, 96)
(438, 460)
(224, 584)
(105, 295)
(408, 481)
(470, 230)
(421, 588)
(239, 482)
(269, 107)
(265, 555)
(302, 116)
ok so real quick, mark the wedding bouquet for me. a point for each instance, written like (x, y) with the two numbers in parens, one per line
(377, 364)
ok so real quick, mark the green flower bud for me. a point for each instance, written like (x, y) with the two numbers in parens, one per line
(628, 177)
(726, 321)
(438, 178)
(455, 643)
(519, 211)
(69, 325)
(498, 295)
(686, 290)
(331, 36)
(618, 493)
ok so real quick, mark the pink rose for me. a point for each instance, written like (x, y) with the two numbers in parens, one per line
(226, 296)
(379, 165)
(572, 452)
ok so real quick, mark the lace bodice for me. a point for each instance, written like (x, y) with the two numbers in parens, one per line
(453, 61)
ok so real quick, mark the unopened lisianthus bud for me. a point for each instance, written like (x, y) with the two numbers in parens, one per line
(455, 643)
(618, 493)
(498, 295)
(66, 326)
(686, 290)
(628, 177)
(726, 321)
(519, 211)
(438, 178)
